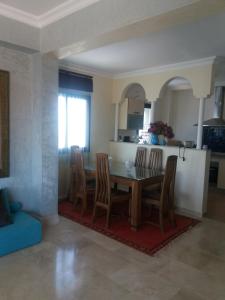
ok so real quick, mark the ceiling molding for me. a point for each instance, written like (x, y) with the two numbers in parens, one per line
(18, 15)
(170, 67)
(63, 10)
(147, 71)
(47, 18)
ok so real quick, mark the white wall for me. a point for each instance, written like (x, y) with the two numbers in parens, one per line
(191, 177)
(102, 115)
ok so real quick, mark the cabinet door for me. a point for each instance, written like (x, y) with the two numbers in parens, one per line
(221, 174)
(136, 106)
(123, 114)
(135, 122)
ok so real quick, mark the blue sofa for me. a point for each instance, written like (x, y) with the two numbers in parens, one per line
(25, 231)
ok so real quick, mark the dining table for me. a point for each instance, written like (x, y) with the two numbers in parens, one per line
(132, 177)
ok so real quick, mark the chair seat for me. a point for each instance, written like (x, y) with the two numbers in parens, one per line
(119, 196)
(151, 188)
(149, 201)
(152, 198)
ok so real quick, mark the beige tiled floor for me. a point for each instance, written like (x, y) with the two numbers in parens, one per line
(76, 263)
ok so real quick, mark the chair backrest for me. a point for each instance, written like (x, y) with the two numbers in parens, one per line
(140, 158)
(73, 150)
(103, 187)
(167, 194)
(79, 172)
(155, 159)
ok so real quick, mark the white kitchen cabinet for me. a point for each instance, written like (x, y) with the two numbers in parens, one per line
(131, 114)
(135, 106)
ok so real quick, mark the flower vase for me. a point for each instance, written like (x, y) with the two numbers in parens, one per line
(153, 139)
(162, 140)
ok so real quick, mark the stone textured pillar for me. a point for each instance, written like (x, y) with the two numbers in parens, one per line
(45, 136)
(200, 122)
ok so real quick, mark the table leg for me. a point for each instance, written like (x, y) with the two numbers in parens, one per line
(136, 205)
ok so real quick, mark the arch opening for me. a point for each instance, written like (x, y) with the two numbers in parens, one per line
(178, 107)
(134, 91)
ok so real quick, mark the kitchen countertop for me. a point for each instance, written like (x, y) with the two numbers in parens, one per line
(147, 145)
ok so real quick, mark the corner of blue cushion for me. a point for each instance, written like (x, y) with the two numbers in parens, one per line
(15, 206)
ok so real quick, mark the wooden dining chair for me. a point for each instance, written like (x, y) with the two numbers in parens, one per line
(140, 158)
(105, 197)
(155, 159)
(164, 200)
(83, 189)
(155, 163)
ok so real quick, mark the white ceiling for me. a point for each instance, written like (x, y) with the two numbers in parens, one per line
(187, 42)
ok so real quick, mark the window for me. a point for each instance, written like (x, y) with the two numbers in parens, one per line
(74, 104)
(146, 124)
(73, 121)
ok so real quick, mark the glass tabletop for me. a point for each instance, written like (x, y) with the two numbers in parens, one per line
(119, 169)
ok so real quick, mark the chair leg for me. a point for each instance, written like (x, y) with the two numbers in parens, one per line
(129, 209)
(94, 213)
(108, 217)
(172, 218)
(75, 201)
(84, 205)
(150, 210)
(161, 222)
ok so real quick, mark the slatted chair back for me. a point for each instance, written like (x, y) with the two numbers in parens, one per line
(155, 159)
(79, 172)
(103, 187)
(167, 193)
(73, 150)
(140, 158)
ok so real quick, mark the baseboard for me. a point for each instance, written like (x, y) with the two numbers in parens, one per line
(188, 213)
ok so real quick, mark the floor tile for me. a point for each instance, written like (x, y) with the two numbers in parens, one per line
(74, 262)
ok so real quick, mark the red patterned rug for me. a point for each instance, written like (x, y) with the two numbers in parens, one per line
(147, 239)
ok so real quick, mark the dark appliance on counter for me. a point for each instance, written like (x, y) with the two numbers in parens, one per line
(126, 138)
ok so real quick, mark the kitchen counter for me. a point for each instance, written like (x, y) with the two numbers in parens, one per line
(163, 146)
(191, 178)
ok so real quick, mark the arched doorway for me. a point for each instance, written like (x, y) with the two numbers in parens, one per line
(178, 107)
(131, 112)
